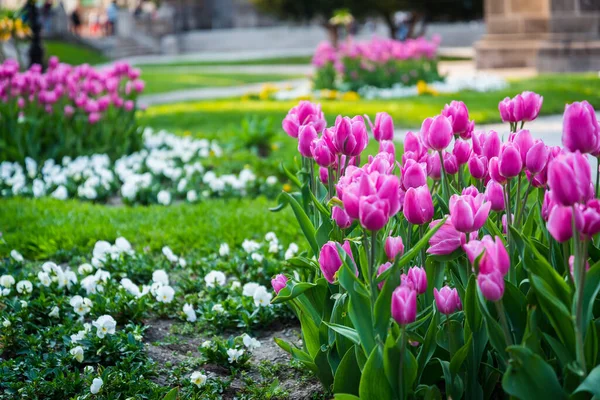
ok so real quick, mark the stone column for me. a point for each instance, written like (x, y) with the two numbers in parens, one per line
(551, 35)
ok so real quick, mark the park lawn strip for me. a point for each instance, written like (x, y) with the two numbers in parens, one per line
(48, 228)
(160, 79)
(292, 60)
(75, 54)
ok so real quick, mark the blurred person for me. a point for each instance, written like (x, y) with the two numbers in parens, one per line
(47, 16)
(93, 22)
(76, 21)
(112, 13)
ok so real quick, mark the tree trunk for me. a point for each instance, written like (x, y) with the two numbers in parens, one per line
(332, 32)
(389, 21)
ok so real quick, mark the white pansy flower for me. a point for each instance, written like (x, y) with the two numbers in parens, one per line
(250, 246)
(250, 342)
(189, 312)
(198, 378)
(218, 308)
(7, 281)
(165, 294)
(81, 305)
(6, 323)
(54, 313)
(224, 249)
(160, 276)
(291, 251)
(234, 355)
(271, 180)
(24, 304)
(164, 197)
(250, 288)
(257, 257)
(16, 256)
(96, 385)
(235, 285)
(85, 269)
(105, 325)
(77, 353)
(44, 278)
(60, 193)
(182, 262)
(88, 369)
(24, 287)
(206, 344)
(273, 247)
(192, 196)
(271, 237)
(262, 297)
(124, 246)
(215, 278)
(169, 254)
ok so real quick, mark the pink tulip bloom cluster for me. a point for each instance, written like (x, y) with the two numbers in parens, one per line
(70, 89)
(330, 260)
(447, 300)
(404, 297)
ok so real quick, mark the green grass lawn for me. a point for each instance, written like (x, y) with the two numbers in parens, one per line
(160, 79)
(50, 228)
(73, 53)
(292, 60)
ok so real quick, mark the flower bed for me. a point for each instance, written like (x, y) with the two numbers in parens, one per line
(167, 168)
(464, 273)
(78, 329)
(68, 111)
(378, 62)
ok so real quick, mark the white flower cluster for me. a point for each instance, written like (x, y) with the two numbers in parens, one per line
(168, 165)
(173, 259)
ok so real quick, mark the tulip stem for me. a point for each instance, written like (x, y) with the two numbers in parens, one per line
(511, 271)
(401, 366)
(330, 180)
(579, 275)
(372, 267)
(460, 177)
(503, 322)
(597, 176)
(518, 203)
(522, 209)
(421, 228)
(445, 190)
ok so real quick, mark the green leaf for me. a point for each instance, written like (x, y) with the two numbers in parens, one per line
(428, 392)
(345, 331)
(383, 306)
(428, 348)
(344, 396)
(172, 395)
(516, 308)
(347, 376)
(529, 377)
(374, 384)
(559, 349)
(292, 290)
(591, 384)
(590, 293)
(459, 357)
(494, 330)
(293, 178)
(471, 306)
(324, 232)
(305, 225)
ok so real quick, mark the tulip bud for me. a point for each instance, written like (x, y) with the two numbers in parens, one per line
(491, 144)
(414, 174)
(527, 106)
(279, 282)
(404, 305)
(491, 285)
(321, 152)
(417, 278)
(510, 163)
(373, 212)
(437, 132)
(387, 146)
(523, 141)
(382, 268)
(450, 164)
(469, 213)
(434, 167)
(494, 171)
(412, 143)
(458, 114)
(324, 175)
(418, 205)
(341, 218)
(560, 223)
(537, 157)
(478, 166)
(506, 107)
(384, 127)
(446, 240)
(590, 215)
(495, 257)
(580, 128)
(351, 136)
(394, 247)
(330, 261)
(570, 179)
(306, 136)
(494, 193)
(462, 151)
(446, 300)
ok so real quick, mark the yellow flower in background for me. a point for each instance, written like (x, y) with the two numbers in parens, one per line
(187, 133)
(304, 97)
(267, 91)
(327, 94)
(350, 96)
(424, 89)
(287, 187)
(274, 147)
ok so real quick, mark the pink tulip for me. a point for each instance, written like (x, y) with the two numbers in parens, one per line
(306, 135)
(495, 257)
(394, 247)
(560, 223)
(417, 279)
(322, 153)
(494, 193)
(446, 300)
(94, 118)
(373, 213)
(382, 268)
(418, 205)
(437, 132)
(570, 179)
(341, 218)
(446, 240)
(384, 127)
(434, 167)
(462, 151)
(450, 164)
(330, 261)
(510, 163)
(523, 141)
(487, 144)
(469, 213)
(412, 144)
(590, 215)
(139, 85)
(506, 107)
(572, 266)
(458, 114)
(278, 283)
(580, 128)
(494, 171)
(324, 175)
(351, 136)
(414, 174)
(404, 305)
(129, 105)
(537, 157)
(305, 113)
(491, 285)
(547, 205)
(69, 110)
(527, 106)
(478, 166)
(387, 146)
